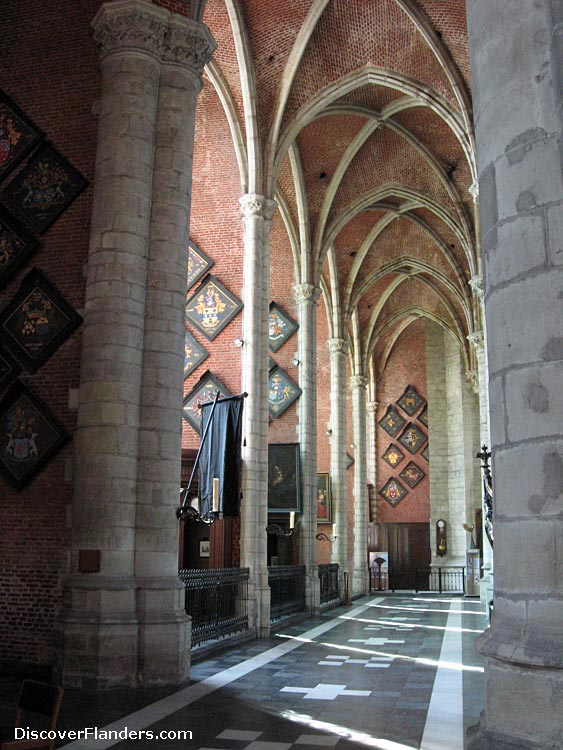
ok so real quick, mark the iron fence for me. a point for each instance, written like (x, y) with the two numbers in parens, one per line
(287, 587)
(328, 577)
(216, 600)
(449, 579)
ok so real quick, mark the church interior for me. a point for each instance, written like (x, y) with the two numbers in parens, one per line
(336, 226)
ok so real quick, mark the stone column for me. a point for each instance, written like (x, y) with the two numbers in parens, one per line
(360, 583)
(338, 349)
(99, 622)
(164, 631)
(306, 296)
(517, 71)
(257, 213)
(371, 453)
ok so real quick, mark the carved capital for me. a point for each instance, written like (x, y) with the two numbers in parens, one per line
(131, 25)
(359, 381)
(306, 293)
(257, 206)
(371, 407)
(337, 346)
(188, 44)
(473, 378)
(476, 284)
(477, 341)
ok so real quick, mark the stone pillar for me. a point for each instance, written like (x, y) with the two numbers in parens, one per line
(257, 213)
(164, 630)
(517, 71)
(360, 583)
(371, 453)
(99, 622)
(338, 349)
(306, 296)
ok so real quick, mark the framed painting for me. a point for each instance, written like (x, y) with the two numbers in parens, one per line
(204, 547)
(393, 491)
(284, 478)
(37, 321)
(423, 416)
(204, 390)
(45, 187)
(16, 245)
(211, 307)
(18, 134)
(281, 327)
(29, 433)
(426, 453)
(194, 354)
(198, 264)
(324, 498)
(412, 438)
(393, 455)
(411, 400)
(392, 422)
(9, 369)
(412, 474)
(282, 392)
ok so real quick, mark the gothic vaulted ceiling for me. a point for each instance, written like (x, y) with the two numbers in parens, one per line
(355, 115)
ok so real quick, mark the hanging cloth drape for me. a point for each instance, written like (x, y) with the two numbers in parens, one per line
(221, 456)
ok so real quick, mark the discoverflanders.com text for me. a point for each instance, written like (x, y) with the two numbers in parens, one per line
(93, 733)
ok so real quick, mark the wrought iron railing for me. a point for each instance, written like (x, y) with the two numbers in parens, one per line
(449, 579)
(287, 587)
(328, 578)
(216, 600)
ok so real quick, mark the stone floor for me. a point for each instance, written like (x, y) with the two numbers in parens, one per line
(392, 673)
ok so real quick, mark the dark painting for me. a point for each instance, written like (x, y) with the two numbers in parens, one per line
(203, 391)
(392, 422)
(284, 478)
(211, 307)
(45, 187)
(16, 245)
(324, 498)
(280, 327)
(37, 321)
(9, 369)
(29, 433)
(393, 455)
(412, 438)
(18, 134)
(282, 392)
(198, 264)
(411, 400)
(393, 491)
(412, 474)
(194, 354)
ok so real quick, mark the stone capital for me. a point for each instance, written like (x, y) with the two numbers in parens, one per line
(371, 407)
(306, 293)
(131, 26)
(473, 378)
(188, 44)
(476, 284)
(257, 206)
(474, 191)
(337, 346)
(359, 381)
(477, 341)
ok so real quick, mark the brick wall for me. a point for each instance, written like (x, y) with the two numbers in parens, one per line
(406, 366)
(50, 69)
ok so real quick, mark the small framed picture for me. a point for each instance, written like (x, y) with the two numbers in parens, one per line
(324, 500)
(204, 547)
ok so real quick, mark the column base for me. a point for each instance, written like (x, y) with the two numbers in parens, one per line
(360, 583)
(313, 590)
(123, 632)
(259, 610)
(479, 738)
(165, 632)
(98, 633)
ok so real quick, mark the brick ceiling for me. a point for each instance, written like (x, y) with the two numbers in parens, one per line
(357, 115)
